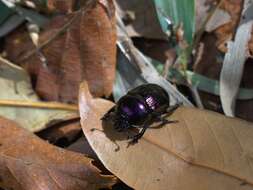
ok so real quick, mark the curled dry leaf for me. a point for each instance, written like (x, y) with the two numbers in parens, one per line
(62, 132)
(84, 48)
(225, 32)
(28, 163)
(203, 150)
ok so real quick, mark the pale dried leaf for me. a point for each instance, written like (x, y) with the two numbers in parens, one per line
(15, 85)
(203, 150)
(219, 18)
(201, 11)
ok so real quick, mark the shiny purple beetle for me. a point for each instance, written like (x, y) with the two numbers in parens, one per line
(140, 107)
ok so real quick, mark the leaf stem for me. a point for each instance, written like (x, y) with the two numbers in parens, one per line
(41, 105)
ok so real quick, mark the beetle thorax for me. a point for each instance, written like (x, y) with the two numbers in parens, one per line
(151, 102)
(133, 109)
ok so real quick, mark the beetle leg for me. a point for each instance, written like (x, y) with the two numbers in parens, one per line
(170, 109)
(165, 121)
(107, 115)
(135, 138)
(160, 118)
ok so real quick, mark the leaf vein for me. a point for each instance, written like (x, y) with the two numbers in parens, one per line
(216, 141)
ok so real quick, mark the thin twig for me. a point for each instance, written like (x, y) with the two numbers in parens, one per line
(10, 64)
(41, 105)
(171, 58)
(195, 95)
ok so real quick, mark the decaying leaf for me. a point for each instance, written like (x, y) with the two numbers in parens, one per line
(15, 85)
(218, 19)
(225, 32)
(203, 150)
(136, 17)
(77, 46)
(64, 6)
(63, 132)
(28, 163)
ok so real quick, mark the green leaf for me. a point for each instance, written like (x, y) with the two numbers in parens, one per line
(179, 11)
(5, 12)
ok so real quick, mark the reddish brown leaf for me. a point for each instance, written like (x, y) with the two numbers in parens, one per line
(85, 50)
(63, 6)
(20, 41)
(225, 32)
(28, 163)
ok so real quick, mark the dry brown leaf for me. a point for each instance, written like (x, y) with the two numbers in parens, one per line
(28, 163)
(204, 150)
(64, 6)
(225, 32)
(140, 22)
(85, 50)
(65, 132)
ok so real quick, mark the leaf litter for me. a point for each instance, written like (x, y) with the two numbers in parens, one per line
(204, 150)
(76, 48)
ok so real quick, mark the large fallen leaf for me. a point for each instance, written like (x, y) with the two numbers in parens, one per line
(16, 86)
(203, 150)
(77, 46)
(28, 163)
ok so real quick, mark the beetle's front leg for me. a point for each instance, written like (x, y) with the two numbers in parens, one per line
(135, 138)
(170, 109)
(160, 118)
(165, 121)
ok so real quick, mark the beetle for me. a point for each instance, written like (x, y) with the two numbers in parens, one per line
(140, 107)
